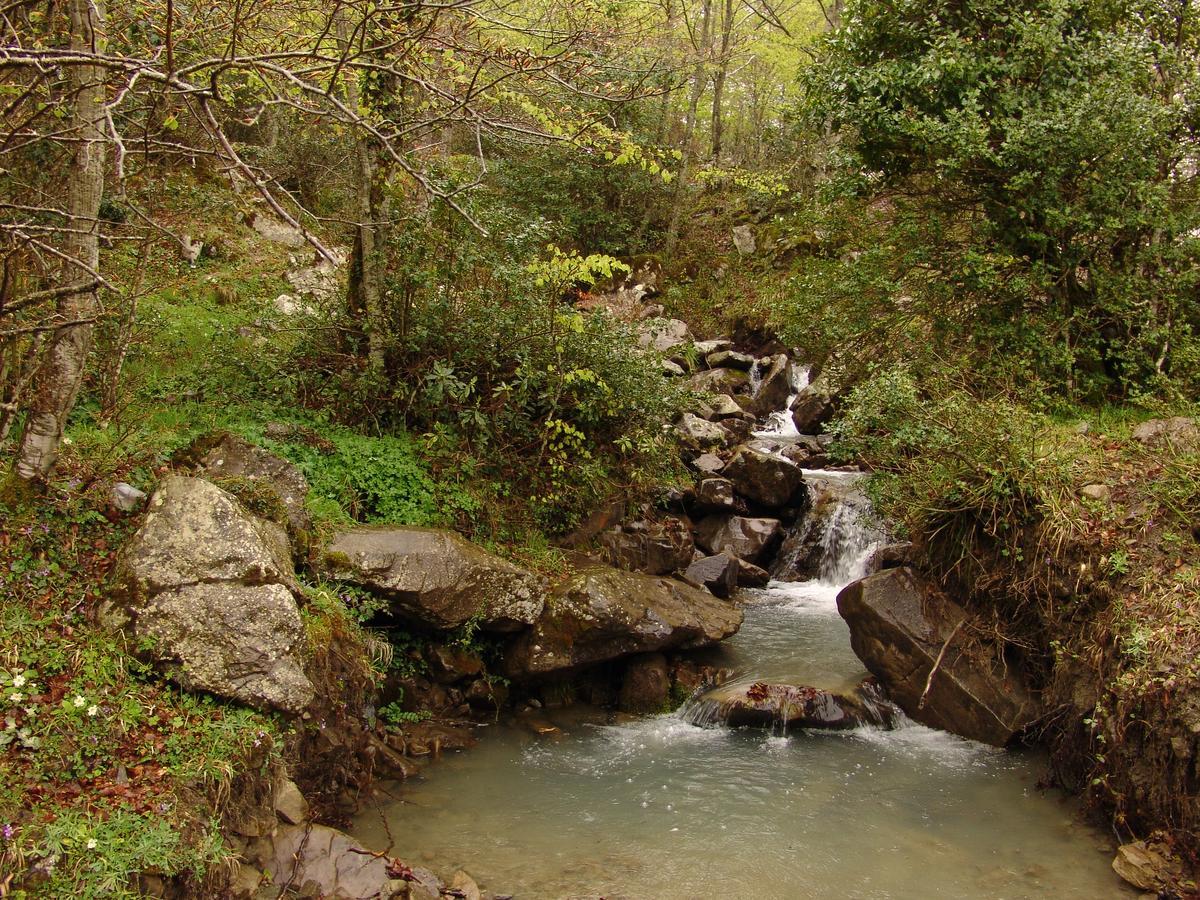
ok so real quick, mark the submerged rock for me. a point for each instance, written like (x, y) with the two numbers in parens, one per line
(208, 591)
(746, 538)
(764, 705)
(320, 861)
(600, 614)
(901, 627)
(436, 578)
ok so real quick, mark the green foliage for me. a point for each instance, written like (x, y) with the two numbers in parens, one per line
(395, 715)
(1026, 190)
(951, 466)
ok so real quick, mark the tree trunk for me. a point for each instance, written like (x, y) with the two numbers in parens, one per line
(60, 376)
(718, 122)
(365, 298)
(699, 77)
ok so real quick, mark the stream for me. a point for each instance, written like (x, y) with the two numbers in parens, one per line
(678, 806)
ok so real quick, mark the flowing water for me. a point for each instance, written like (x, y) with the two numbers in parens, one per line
(663, 809)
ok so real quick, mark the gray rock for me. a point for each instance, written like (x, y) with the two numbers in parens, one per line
(899, 626)
(743, 239)
(646, 684)
(126, 498)
(716, 573)
(725, 407)
(698, 434)
(750, 575)
(1179, 430)
(746, 538)
(1098, 492)
(709, 463)
(600, 614)
(672, 369)
(663, 334)
(436, 578)
(278, 232)
(320, 861)
(209, 590)
(703, 348)
(729, 359)
(765, 478)
(290, 804)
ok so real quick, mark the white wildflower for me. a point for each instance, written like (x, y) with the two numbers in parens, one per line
(80, 701)
(93, 709)
(91, 844)
(19, 681)
(16, 696)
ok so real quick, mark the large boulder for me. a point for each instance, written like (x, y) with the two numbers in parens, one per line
(436, 578)
(729, 359)
(716, 495)
(1180, 430)
(209, 592)
(226, 456)
(902, 627)
(601, 614)
(766, 478)
(656, 548)
(746, 538)
(814, 406)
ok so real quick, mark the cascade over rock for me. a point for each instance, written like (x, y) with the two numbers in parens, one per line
(436, 578)
(899, 627)
(765, 705)
(210, 591)
(600, 614)
(775, 387)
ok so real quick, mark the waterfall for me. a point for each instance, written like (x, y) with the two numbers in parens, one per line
(849, 538)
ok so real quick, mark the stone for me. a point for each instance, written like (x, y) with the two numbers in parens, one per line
(225, 455)
(703, 348)
(813, 406)
(720, 381)
(751, 539)
(715, 495)
(209, 593)
(699, 434)
(724, 407)
(716, 573)
(891, 556)
(900, 626)
(672, 369)
(774, 389)
(600, 614)
(646, 684)
(1098, 492)
(743, 240)
(1180, 430)
(663, 334)
(766, 478)
(658, 548)
(729, 359)
(126, 498)
(1146, 866)
(750, 575)
(450, 663)
(764, 705)
(708, 462)
(485, 694)
(278, 232)
(320, 861)
(436, 578)
(290, 804)
(465, 885)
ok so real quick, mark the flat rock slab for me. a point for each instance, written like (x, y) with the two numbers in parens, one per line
(436, 578)
(601, 614)
(327, 862)
(899, 627)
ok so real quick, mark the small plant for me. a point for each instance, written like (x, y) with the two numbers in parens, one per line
(395, 715)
